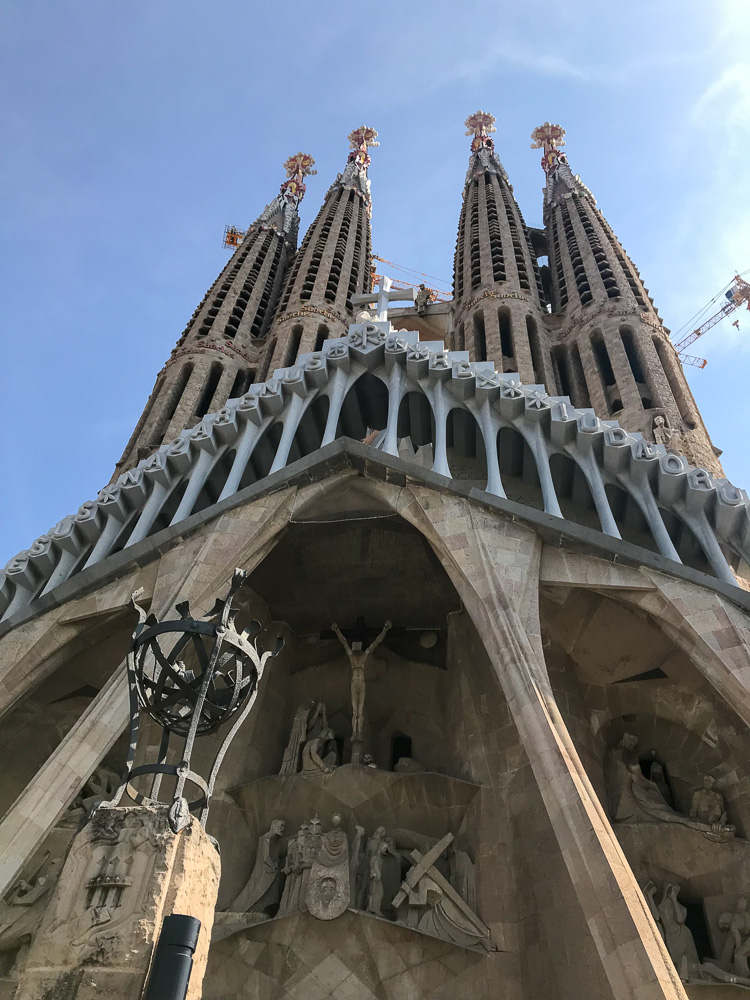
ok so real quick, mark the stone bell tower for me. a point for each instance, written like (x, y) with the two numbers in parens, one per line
(609, 347)
(333, 264)
(217, 356)
(498, 294)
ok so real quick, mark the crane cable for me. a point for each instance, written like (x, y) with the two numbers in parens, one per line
(701, 312)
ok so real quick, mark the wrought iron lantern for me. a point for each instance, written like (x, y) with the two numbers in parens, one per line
(191, 676)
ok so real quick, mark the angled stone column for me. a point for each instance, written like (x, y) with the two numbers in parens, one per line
(494, 565)
(125, 872)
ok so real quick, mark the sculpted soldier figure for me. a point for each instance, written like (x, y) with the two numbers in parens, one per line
(358, 658)
(707, 804)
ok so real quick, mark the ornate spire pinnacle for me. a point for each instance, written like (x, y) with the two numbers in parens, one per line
(549, 137)
(561, 181)
(483, 155)
(297, 167)
(282, 214)
(480, 124)
(359, 140)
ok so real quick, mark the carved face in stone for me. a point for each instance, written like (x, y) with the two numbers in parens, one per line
(277, 827)
(356, 647)
(336, 820)
(628, 741)
(708, 782)
(327, 891)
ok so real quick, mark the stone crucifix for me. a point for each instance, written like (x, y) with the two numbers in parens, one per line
(383, 295)
(358, 658)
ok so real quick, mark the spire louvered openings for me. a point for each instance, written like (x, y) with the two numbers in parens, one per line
(217, 353)
(610, 345)
(497, 287)
(332, 265)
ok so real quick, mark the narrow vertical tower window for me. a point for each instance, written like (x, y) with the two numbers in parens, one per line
(332, 265)
(219, 352)
(611, 346)
(497, 288)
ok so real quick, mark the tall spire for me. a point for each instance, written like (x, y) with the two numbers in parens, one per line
(332, 264)
(217, 355)
(497, 288)
(612, 351)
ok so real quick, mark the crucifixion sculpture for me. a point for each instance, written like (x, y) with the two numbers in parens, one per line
(358, 658)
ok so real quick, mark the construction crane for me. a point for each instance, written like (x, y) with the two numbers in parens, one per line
(736, 295)
(436, 294)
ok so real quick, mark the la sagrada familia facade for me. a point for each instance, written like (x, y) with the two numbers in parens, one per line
(408, 648)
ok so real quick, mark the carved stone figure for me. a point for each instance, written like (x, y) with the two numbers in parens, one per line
(429, 903)
(422, 300)
(319, 755)
(263, 889)
(355, 860)
(358, 658)
(678, 938)
(707, 804)
(633, 798)
(309, 846)
(375, 882)
(309, 721)
(21, 913)
(363, 874)
(649, 891)
(328, 891)
(737, 947)
(292, 870)
(369, 761)
(661, 430)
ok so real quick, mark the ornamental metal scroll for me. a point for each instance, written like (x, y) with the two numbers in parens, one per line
(191, 676)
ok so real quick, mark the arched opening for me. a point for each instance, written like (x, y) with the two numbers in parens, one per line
(580, 395)
(169, 508)
(321, 337)
(536, 351)
(171, 404)
(507, 345)
(416, 429)
(467, 458)
(209, 389)
(309, 433)
(629, 519)
(242, 382)
(400, 747)
(636, 367)
(215, 482)
(669, 365)
(365, 408)
(261, 460)
(292, 346)
(606, 372)
(688, 547)
(480, 340)
(518, 470)
(562, 371)
(573, 493)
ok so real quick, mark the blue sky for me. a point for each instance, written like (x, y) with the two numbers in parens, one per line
(134, 132)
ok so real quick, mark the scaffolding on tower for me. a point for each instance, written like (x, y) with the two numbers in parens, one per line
(436, 294)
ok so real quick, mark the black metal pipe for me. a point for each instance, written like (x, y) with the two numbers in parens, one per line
(173, 958)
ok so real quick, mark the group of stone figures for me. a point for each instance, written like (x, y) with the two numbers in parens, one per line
(313, 747)
(432, 890)
(633, 797)
(670, 916)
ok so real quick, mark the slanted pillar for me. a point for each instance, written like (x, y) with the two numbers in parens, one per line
(494, 565)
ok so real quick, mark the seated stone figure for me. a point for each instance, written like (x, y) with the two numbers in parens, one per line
(633, 798)
(320, 755)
